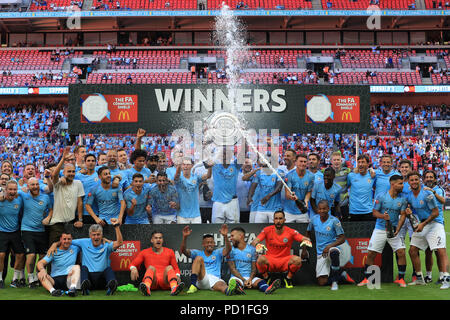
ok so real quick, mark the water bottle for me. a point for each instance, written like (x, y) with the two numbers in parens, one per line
(301, 205)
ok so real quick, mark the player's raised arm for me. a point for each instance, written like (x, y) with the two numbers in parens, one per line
(186, 233)
(140, 133)
(119, 240)
(224, 233)
(56, 171)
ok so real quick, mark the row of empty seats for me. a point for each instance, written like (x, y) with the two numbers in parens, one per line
(143, 77)
(146, 4)
(261, 4)
(23, 80)
(31, 60)
(403, 78)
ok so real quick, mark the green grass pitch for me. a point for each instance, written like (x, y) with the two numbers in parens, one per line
(388, 291)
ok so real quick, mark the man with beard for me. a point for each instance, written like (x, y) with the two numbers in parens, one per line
(164, 201)
(152, 163)
(161, 268)
(137, 200)
(430, 180)
(329, 237)
(109, 199)
(68, 198)
(11, 208)
(242, 264)
(361, 191)
(279, 239)
(389, 206)
(382, 175)
(327, 190)
(430, 232)
(313, 167)
(119, 176)
(207, 263)
(89, 178)
(37, 212)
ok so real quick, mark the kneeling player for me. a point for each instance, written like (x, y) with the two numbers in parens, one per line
(65, 273)
(242, 263)
(393, 206)
(279, 239)
(207, 263)
(161, 267)
(331, 247)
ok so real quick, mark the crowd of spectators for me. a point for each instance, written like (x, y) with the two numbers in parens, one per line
(36, 134)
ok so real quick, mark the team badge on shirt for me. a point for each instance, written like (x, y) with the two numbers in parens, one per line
(369, 180)
(399, 204)
(273, 179)
(96, 179)
(114, 194)
(16, 206)
(306, 183)
(249, 255)
(285, 240)
(41, 203)
(213, 258)
(71, 251)
(332, 195)
(328, 228)
(421, 202)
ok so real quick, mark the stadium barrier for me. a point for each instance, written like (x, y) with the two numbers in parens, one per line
(137, 238)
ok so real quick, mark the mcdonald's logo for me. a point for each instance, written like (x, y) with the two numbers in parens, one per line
(123, 115)
(345, 116)
(124, 263)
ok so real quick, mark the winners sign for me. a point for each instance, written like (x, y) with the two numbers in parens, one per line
(163, 108)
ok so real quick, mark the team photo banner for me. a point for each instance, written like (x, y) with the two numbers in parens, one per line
(163, 108)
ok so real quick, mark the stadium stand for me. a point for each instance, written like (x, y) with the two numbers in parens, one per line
(143, 77)
(364, 4)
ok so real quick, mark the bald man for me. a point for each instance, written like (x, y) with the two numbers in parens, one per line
(68, 194)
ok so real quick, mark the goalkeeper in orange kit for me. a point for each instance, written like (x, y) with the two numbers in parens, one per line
(278, 258)
(161, 268)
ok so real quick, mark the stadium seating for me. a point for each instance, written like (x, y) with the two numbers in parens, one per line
(26, 79)
(157, 59)
(262, 4)
(409, 78)
(366, 59)
(144, 77)
(31, 60)
(267, 58)
(146, 5)
(364, 4)
(440, 79)
(53, 5)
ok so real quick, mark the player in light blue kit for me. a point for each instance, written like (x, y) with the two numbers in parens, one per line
(65, 274)
(301, 183)
(207, 263)
(389, 206)
(164, 201)
(37, 212)
(89, 178)
(268, 196)
(382, 175)
(361, 191)
(109, 199)
(187, 185)
(225, 201)
(332, 250)
(327, 190)
(138, 158)
(137, 199)
(242, 263)
(430, 232)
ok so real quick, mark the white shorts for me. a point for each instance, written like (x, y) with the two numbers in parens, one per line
(298, 218)
(432, 235)
(181, 220)
(226, 212)
(208, 282)
(264, 216)
(246, 278)
(407, 227)
(323, 264)
(160, 219)
(379, 239)
(251, 218)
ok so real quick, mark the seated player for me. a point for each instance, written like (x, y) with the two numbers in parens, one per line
(330, 245)
(278, 258)
(65, 274)
(96, 269)
(388, 207)
(207, 263)
(161, 268)
(242, 263)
